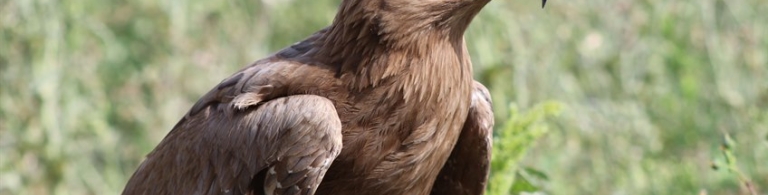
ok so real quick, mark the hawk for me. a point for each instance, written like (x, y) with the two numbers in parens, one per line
(382, 101)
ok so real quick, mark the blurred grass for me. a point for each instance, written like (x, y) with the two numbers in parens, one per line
(87, 88)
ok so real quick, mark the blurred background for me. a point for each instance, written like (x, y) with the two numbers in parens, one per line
(590, 96)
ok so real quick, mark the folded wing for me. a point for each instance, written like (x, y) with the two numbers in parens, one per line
(240, 139)
(466, 171)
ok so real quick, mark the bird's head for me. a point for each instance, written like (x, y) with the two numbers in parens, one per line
(402, 30)
(399, 19)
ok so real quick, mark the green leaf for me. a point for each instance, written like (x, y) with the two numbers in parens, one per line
(522, 185)
(728, 142)
(536, 173)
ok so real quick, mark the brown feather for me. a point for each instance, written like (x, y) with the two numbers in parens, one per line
(466, 171)
(373, 104)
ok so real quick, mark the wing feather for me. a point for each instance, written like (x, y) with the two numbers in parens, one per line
(243, 137)
(466, 171)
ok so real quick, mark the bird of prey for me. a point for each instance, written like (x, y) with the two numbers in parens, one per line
(382, 101)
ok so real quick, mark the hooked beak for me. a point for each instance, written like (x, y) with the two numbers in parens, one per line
(543, 2)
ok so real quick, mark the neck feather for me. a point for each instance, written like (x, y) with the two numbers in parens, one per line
(372, 40)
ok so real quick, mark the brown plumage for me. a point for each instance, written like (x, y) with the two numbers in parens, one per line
(380, 102)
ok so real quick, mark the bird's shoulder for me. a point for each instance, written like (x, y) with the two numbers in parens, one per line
(268, 79)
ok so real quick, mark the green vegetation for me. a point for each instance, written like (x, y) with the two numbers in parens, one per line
(512, 140)
(644, 89)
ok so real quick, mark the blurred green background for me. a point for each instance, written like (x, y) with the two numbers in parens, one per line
(607, 96)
